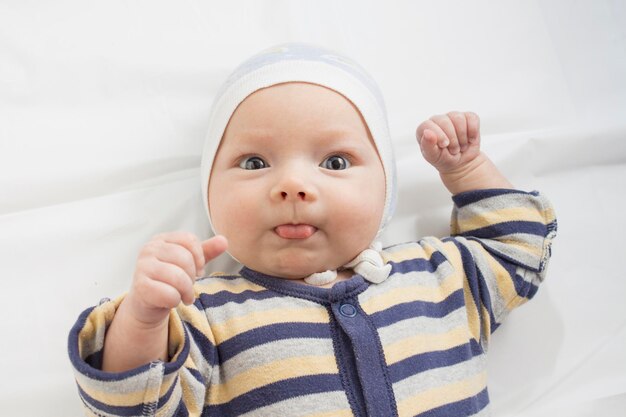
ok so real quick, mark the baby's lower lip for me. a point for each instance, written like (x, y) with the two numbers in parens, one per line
(295, 231)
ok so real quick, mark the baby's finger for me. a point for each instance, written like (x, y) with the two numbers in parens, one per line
(175, 254)
(473, 127)
(158, 294)
(445, 124)
(460, 126)
(191, 243)
(442, 139)
(174, 276)
(429, 147)
(214, 247)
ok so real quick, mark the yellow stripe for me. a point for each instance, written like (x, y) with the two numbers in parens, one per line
(418, 292)
(196, 318)
(411, 252)
(269, 373)
(88, 332)
(213, 286)
(122, 399)
(173, 400)
(193, 403)
(436, 397)
(548, 215)
(506, 288)
(422, 343)
(99, 317)
(489, 218)
(176, 337)
(486, 324)
(229, 328)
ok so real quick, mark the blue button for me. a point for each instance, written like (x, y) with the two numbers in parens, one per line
(347, 310)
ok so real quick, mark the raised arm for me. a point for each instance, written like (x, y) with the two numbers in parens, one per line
(500, 239)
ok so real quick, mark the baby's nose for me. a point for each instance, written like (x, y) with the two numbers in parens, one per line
(299, 195)
(292, 188)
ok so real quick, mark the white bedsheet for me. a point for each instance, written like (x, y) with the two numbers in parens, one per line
(103, 109)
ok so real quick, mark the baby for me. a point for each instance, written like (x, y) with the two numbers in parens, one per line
(298, 179)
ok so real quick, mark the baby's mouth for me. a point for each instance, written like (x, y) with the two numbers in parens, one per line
(295, 231)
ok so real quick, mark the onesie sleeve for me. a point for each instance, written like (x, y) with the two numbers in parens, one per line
(501, 243)
(172, 388)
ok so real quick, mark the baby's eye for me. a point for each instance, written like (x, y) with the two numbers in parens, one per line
(253, 162)
(335, 162)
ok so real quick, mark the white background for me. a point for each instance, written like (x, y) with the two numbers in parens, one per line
(103, 109)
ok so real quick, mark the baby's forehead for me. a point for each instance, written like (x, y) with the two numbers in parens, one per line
(297, 102)
(297, 111)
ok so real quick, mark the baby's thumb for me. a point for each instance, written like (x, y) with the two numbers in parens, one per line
(214, 247)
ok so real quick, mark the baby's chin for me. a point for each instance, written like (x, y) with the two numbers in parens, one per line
(294, 270)
(292, 263)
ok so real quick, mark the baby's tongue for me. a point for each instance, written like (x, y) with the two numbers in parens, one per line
(295, 231)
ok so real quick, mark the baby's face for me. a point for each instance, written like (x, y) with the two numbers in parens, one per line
(297, 186)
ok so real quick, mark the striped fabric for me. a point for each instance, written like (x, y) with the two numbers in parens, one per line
(414, 345)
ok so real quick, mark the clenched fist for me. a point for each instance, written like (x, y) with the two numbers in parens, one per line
(450, 141)
(166, 270)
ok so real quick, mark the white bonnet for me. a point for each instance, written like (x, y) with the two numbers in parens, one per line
(305, 63)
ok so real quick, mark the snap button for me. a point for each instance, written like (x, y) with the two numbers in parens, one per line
(347, 310)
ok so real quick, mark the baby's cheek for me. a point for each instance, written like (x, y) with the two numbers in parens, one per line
(361, 217)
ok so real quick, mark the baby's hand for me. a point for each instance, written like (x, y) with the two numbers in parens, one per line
(450, 141)
(167, 268)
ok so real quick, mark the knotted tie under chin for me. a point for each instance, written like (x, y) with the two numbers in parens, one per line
(369, 264)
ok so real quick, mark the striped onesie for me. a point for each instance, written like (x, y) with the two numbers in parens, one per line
(413, 345)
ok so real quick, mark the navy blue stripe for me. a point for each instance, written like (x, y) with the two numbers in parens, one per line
(469, 269)
(265, 334)
(218, 277)
(120, 410)
(275, 392)
(507, 228)
(418, 264)
(207, 349)
(172, 367)
(181, 411)
(523, 288)
(504, 258)
(481, 291)
(466, 407)
(470, 197)
(485, 296)
(413, 365)
(92, 403)
(95, 359)
(166, 397)
(197, 375)
(419, 309)
(222, 297)
(532, 290)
